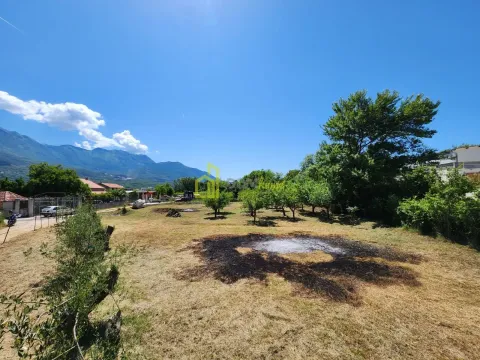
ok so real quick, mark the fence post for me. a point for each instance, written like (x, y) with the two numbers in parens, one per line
(16, 207)
(31, 211)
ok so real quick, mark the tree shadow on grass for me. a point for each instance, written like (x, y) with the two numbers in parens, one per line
(282, 218)
(219, 217)
(221, 213)
(337, 280)
(262, 222)
(342, 219)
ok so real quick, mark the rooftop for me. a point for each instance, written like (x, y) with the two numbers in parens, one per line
(112, 186)
(92, 185)
(10, 196)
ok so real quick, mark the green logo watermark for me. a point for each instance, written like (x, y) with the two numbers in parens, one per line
(213, 185)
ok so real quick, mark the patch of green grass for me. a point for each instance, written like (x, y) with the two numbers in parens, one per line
(134, 327)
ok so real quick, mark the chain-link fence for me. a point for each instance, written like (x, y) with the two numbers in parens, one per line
(53, 208)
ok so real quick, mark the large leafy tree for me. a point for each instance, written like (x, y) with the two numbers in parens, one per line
(372, 141)
(46, 178)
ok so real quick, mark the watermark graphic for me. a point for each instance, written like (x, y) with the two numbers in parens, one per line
(213, 185)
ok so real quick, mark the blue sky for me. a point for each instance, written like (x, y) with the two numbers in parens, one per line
(244, 84)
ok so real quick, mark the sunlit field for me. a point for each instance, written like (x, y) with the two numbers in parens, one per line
(192, 287)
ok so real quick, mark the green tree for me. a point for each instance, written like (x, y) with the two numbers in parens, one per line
(372, 141)
(17, 186)
(134, 195)
(251, 181)
(291, 197)
(291, 175)
(185, 184)
(218, 203)
(118, 194)
(44, 178)
(160, 190)
(321, 196)
(252, 200)
(168, 189)
(273, 195)
(315, 194)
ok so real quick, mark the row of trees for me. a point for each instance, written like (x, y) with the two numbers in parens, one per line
(291, 194)
(375, 162)
(281, 195)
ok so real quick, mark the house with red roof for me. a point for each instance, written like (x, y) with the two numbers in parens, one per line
(94, 187)
(111, 186)
(8, 201)
(10, 196)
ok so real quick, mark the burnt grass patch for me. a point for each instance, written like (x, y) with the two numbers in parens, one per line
(338, 280)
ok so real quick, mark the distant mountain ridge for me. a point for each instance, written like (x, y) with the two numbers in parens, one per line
(18, 151)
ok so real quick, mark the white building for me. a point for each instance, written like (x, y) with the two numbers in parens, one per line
(465, 159)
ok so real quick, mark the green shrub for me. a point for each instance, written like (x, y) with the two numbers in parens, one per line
(415, 213)
(63, 328)
(451, 209)
(2, 220)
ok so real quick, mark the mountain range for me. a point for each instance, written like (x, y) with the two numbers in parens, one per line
(18, 152)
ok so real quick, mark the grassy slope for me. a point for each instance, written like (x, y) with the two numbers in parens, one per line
(168, 315)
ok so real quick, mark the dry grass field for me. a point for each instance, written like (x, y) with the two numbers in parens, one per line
(192, 288)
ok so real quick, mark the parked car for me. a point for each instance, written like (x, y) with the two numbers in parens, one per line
(57, 211)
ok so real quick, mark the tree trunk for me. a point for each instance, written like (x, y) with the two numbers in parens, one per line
(293, 213)
(255, 216)
(328, 212)
(215, 213)
(283, 209)
(313, 209)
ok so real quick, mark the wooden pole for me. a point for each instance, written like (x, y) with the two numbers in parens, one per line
(6, 235)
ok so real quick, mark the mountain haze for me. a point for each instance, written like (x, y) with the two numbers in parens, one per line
(18, 151)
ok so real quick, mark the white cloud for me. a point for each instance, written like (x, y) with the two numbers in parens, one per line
(84, 145)
(72, 117)
(129, 142)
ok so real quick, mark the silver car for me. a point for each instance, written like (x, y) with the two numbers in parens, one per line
(56, 211)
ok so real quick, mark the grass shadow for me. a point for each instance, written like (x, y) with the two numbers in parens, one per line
(221, 213)
(262, 223)
(219, 217)
(342, 219)
(337, 279)
(282, 218)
